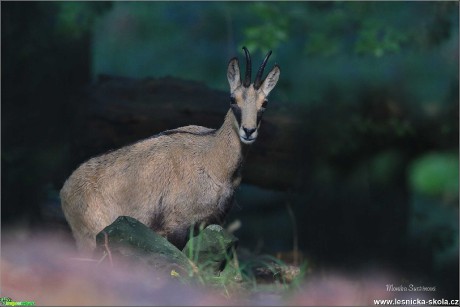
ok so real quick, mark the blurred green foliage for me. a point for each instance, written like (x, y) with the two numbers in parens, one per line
(270, 31)
(378, 39)
(326, 29)
(384, 166)
(321, 46)
(436, 175)
(76, 18)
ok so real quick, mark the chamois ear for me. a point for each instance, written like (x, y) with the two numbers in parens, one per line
(233, 74)
(271, 80)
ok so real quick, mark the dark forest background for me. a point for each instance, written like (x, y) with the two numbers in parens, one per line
(357, 162)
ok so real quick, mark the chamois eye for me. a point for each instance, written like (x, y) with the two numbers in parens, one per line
(232, 100)
(264, 104)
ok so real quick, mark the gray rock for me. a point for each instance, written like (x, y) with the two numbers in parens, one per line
(132, 239)
(211, 249)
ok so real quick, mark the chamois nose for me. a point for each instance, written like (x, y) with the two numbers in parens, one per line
(249, 131)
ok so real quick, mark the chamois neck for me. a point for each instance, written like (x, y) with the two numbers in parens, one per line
(226, 151)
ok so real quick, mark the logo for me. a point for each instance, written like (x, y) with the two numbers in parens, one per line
(8, 301)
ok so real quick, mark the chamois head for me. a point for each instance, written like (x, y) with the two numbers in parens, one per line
(249, 101)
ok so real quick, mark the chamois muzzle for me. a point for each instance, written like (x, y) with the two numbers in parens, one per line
(249, 135)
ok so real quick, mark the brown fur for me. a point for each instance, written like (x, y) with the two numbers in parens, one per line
(170, 181)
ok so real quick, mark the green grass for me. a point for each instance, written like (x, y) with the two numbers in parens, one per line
(239, 277)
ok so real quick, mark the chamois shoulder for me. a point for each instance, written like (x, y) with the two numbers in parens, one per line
(159, 138)
(169, 140)
(192, 129)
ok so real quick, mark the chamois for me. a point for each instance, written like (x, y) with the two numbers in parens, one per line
(174, 179)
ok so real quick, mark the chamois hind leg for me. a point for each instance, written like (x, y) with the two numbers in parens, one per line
(92, 225)
(86, 244)
(84, 237)
(86, 224)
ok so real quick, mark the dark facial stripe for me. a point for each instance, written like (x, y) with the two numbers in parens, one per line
(260, 113)
(237, 112)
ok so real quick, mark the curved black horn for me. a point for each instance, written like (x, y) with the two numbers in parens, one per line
(258, 81)
(247, 77)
